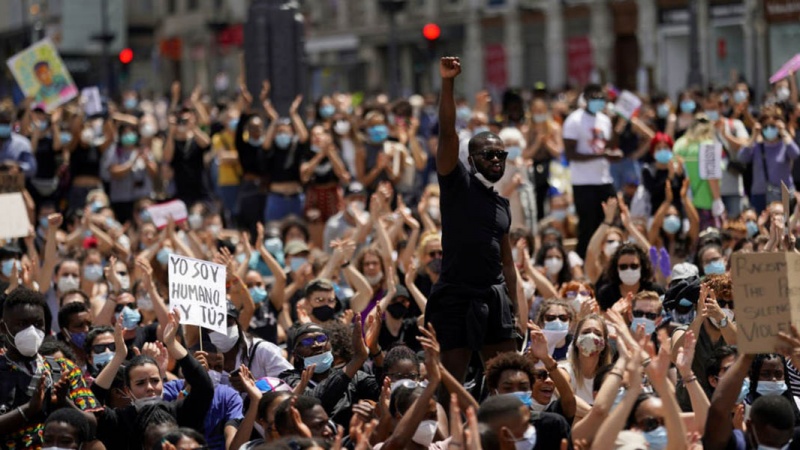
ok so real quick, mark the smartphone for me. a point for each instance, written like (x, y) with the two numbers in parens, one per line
(235, 373)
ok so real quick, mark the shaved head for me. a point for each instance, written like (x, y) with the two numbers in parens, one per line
(482, 140)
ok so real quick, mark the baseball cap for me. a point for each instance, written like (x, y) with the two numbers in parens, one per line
(684, 270)
(295, 247)
(294, 335)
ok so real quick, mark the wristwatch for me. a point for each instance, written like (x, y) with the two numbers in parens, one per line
(724, 322)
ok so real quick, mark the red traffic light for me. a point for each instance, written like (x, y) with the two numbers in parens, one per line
(431, 31)
(125, 55)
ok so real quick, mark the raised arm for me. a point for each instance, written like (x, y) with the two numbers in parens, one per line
(719, 426)
(297, 121)
(447, 153)
(50, 257)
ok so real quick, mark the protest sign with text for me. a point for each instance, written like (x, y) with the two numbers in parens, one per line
(766, 298)
(14, 221)
(710, 161)
(197, 289)
(627, 105)
(161, 213)
(11, 181)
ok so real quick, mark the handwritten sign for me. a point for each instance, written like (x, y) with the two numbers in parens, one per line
(197, 289)
(766, 295)
(710, 160)
(91, 101)
(12, 182)
(14, 221)
(42, 75)
(627, 105)
(162, 212)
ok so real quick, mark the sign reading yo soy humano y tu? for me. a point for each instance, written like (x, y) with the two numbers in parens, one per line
(197, 288)
(766, 296)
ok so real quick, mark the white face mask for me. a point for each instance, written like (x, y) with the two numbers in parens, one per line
(68, 283)
(528, 441)
(375, 279)
(630, 276)
(124, 282)
(611, 248)
(528, 289)
(553, 265)
(28, 341)
(435, 213)
(425, 433)
(341, 127)
(225, 342)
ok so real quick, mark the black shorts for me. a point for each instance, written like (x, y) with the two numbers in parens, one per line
(465, 317)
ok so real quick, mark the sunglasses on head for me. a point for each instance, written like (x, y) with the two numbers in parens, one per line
(650, 423)
(552, 317)
(633, 266)
(101, 348)
(309, 341)
(649, 315)
(492, 154)
(541, 375)
(435, 253)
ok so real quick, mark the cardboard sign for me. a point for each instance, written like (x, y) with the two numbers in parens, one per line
(91, 101)
(197, 289)
(766, 294)
(12, 182)
(710, 160)
(162, 212)
(627, 105)
(14, 221)
(42, 75)
(787, 213)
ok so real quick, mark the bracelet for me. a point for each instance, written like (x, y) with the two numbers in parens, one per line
(374, 355)
(22, 413)
(646, 362)
(608, 224)
(689, 380)
(345, 264)
(615, 373)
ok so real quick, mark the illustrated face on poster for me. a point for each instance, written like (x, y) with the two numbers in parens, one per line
(42, 75)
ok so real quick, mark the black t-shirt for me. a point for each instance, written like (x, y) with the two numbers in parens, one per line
(188, 165)
(323, 173)
(551, 428)
(85, 160)
(45, 158)
(475, 219)
(283, 165)
(610, 293)
(407, 336)
(251, 157)
(264, 323)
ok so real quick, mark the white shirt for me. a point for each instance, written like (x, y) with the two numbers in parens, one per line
(268, 360)
(731, 184)
(591, 134)
(584, 392)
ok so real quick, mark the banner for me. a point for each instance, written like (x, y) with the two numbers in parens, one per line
(14, 221)
(162, 212)
(766, 299)
(197, 289)
(710, 160)
(42, 75)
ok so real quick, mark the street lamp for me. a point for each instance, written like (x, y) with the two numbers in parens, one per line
(392, 7)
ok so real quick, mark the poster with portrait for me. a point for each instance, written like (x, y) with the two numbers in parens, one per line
(42, 75)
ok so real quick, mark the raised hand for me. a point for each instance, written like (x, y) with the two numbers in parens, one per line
(296, 104)
(664, 262)
(294, 416)
(685, 357)
(610, 207)
(449, 67)
(305, 378)
(265, 88)
(431, 347)
(359, 346)
(374, 322)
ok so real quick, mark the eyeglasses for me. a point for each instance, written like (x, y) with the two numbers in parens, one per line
(309, 341)
(649, 315)
(101, 348)
(650, 423)
(323, 300)
(404, 376)
(573, 294)
(122, 274)
(552, 317)
(492, 154)
(725, 303)
(435, 253)
(541, 375)
(628, 266)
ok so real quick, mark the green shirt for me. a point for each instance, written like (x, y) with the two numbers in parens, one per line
(690, 152)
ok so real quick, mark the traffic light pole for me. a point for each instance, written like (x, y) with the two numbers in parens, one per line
(393, 81)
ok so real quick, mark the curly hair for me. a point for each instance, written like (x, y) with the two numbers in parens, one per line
(629, 249)
(565, 274)
(721, 285)
(341, 339)
(549, 303)
(755, 370)
(507, 361)
(575, 286)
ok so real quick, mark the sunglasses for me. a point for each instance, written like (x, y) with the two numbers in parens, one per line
(649, 315)
(413, 376)
(492, 154)
(628, 266)
(573, 294)
(725, 303)
(309, 341)
(650, 423)
(101, 348)
(680, 309)
(435, 253)
(552, 317)
(541, 375)
(612, 241)
(120, 307)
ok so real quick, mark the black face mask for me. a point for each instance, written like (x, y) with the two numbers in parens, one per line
(397, 310)
(323, 313)
(435, 266)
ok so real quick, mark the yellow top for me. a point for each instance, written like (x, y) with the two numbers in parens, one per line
(229, 172)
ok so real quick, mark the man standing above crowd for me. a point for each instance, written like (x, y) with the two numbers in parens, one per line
(472, 304)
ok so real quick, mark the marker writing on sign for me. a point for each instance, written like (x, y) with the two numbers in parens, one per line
(198, 269)
(209, 316)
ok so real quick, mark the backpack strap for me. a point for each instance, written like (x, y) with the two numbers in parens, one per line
(252, 353)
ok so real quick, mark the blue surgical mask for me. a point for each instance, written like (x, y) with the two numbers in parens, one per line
(66, 137)
(663, 156)
(556, 325)
(514, 151)
(479, 130)
(256, 142)
(688, 106)
(739, 96)
(649, 325)
(525, 397)
(558, 214)
(43, 222)
(662, 110)
(233, 123)
(259, 294)
(713, 115)
(540, 118)
(716, 267)
(8, 265)
(672, 224)
(97, 205)
(131, 102)
(770, 133)
(378, 133)
(93, 272)
(325, 111)
(101, 359)
(771, 387)
(5, 130)
(463, 113)
(78, 338)
(744, 391)
(163, 256)
(128, 139)
(324, 361)
(297, 262)
(595, 105)
(283, 140)
(618, 398)
(752, 228)
(130, 318)
(656, 439)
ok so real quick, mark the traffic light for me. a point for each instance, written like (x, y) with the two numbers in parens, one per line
(125, 56)
(431, 31)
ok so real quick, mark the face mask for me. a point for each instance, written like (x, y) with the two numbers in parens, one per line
(130, 318)
(8, 266)
(66, 137)
(259, 294)
(78, 339)
(595, 105)
(323, 313)
(87, 136)
(770, 133)
(656, 439)
(783, 94)
(28, 341)
(342, 127)
(93, 272)
(296, 262)
(590, 343)
(514, 152)
(374, 279)
(716, 267)
(528, 441)
(163, 256)
(553, 265)
(283, 140)
(558, 215)
(435, 266)
(128, 139)
(5, 130)
(124, 281)
(556, 325)
(739, 96)
(662, 110)
(378, 133)
(67, 283)
(233, 123)
(771, 387)
(649, 325)
(630, 277)
(101, 359)
(540, 118)
(214, 229)
(752, 228)
(528, 289)
(479, 130)
(145, 302)
(434, 212)
(324, 361)
(712, 115)
(663, 156)
(684, 319)
(397, 310)
(610, 249)
(325, 111)
(687, 106)
(130, 103)
(195, 221)
(256, 142)
(672, 224)
(225, 342)
(147, 130)
(425, 433)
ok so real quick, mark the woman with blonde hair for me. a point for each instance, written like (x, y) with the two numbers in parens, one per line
(588, 353)
(706, 194)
